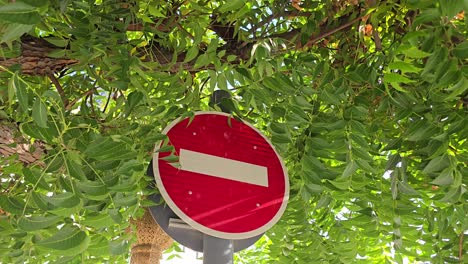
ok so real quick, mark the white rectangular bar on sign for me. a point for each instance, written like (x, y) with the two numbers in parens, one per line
(223, 168)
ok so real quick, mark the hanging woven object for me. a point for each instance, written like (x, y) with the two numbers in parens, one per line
(151, 240)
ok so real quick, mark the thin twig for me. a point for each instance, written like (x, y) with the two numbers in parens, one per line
(377, 40)
(203, 84)
(91, 103)
(107, 101)
(312, 41)
(72, 103)
(59, 87)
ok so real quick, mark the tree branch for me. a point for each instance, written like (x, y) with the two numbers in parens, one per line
(72, 103)
(58, 86)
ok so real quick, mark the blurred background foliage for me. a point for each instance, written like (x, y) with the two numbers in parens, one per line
(365, 100)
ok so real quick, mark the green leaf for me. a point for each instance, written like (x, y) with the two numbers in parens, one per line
(37, 222)
(93, 188)
(105, 148)
(65, 200)
(445, 178)
(128, 200)
(452, 196)
(437, 164)
(405, 188)
(314, 188)
(69, 240)
(280, 138)
(99, 246)
(21, 92)
(363, 164)
(14, 31)
(403, 67)
(12, 205)
(414, 52)
(191, 54)
(47, 134)
(33, 176)
(461, 50)
(100, 220)
(350, 169)
(396, 78)
(19, 13)
(40, 201)
(74, 169)
(231, 5)
(39, 113)
(118, 247)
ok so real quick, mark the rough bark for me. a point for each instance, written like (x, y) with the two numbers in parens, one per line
(151, 241)
(35, 59)
(11, 143)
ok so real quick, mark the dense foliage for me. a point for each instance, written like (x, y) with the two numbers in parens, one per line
(366, 101)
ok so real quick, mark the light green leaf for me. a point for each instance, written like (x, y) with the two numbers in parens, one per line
(39, 113)
(37, 222)
(69, 240)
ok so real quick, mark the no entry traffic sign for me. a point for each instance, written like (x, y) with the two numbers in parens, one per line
(230, 182)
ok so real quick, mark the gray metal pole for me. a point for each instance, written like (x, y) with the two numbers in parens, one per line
(217, 250)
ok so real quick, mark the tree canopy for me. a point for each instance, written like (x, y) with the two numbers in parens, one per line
(366, 101)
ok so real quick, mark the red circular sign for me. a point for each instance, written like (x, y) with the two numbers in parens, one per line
(228, 181)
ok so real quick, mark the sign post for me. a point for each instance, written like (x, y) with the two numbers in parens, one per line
(222, 177)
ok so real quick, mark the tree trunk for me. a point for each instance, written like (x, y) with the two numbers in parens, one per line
(151, 241)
